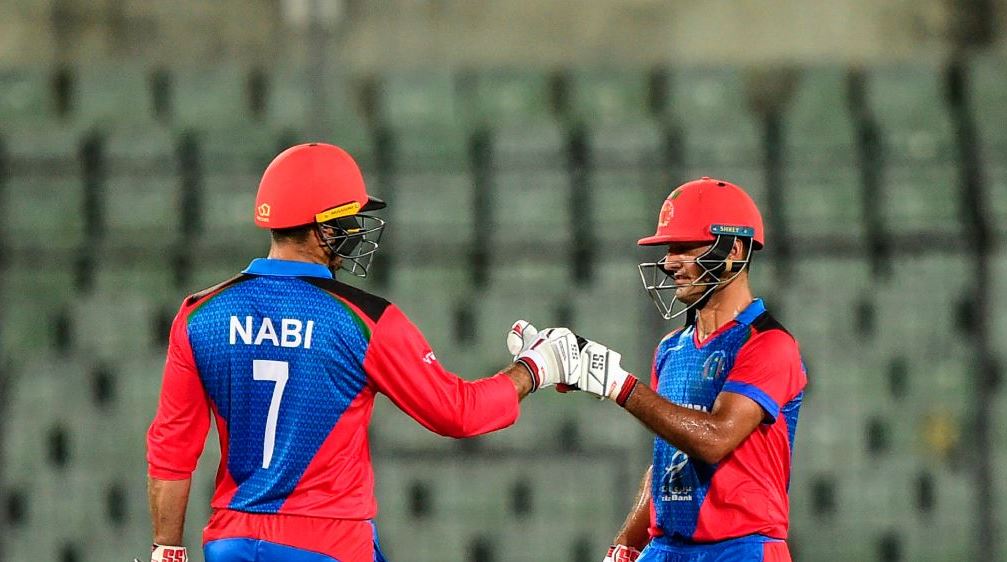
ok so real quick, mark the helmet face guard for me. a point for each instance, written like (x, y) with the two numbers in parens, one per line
(716, 271)
(353, 238)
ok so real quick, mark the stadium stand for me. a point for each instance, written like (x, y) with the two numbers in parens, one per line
(821, 187)
(987, 96)
(920, 190)
(495, 97)
(27, 96)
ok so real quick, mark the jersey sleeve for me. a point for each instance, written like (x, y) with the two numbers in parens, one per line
(401, 365)
(177, 435)
(769, 371)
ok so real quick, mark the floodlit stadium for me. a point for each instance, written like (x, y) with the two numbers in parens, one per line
(523, 149)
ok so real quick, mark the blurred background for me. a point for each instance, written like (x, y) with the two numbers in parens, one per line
(523, 146)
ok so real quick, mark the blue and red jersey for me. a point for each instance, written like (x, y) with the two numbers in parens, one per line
(746, 492)
(289, 360)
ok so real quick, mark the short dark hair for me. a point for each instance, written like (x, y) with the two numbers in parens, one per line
(295, 234)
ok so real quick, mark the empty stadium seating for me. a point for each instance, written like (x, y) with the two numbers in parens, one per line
(507, 96)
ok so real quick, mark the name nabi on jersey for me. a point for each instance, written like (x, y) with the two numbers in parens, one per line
(292, 333)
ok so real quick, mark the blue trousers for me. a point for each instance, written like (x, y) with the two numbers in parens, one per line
(744, 549)
(254, 550)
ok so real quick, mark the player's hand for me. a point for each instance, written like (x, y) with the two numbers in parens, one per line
(553, 357)
(520, 337)
(621, 553)
(162, 553)
(601, 374)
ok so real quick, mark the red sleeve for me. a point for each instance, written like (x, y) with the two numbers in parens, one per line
(401, 365)
(176, 437)
(768, 370)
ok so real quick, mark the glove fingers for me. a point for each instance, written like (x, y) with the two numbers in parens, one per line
(521, 334)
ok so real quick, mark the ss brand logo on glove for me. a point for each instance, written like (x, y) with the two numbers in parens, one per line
(598, 362)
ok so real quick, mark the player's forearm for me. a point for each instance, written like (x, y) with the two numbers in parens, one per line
(521, 377)
(634, 530)
(168, 499)
(698, 434)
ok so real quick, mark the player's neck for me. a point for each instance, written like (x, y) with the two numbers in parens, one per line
(295, 252)
(723, 307)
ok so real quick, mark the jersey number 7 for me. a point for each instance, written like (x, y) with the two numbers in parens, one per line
(277, 372)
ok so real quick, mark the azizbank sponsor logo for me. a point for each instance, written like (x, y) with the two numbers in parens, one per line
(292, 332)
(673, 486)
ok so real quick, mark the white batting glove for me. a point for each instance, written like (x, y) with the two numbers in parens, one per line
(601, 375)
(520, 337)
(553, 357)
(621, 553)
(161, 553)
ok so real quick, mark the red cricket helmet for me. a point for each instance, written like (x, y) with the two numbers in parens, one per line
(311, 183)
(700, 210)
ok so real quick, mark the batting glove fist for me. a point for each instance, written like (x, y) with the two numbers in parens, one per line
(621, 553)
(601, 375)
(161, 553)
(552, 357)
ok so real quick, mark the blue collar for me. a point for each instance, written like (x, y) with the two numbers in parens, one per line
(287, 268)
(751, 312)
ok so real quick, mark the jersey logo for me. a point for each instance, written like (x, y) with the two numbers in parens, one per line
(673, 486)
(713, 368)
(429, 358)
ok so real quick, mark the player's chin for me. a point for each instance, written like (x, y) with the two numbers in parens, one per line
(689, 294)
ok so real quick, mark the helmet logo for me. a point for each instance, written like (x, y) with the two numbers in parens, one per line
(262, 212)
(667, 213)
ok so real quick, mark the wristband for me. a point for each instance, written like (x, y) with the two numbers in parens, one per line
(532, 360)
(628, 386)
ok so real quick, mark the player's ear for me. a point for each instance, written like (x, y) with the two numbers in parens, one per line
(737, 249)
(316, 235)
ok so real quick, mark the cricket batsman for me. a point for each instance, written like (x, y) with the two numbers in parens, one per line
(725, 392)
(287, 361)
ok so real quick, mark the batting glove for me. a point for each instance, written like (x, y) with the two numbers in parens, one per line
(601, 375)
(621, 553)
(161, 553)
(553, 357)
